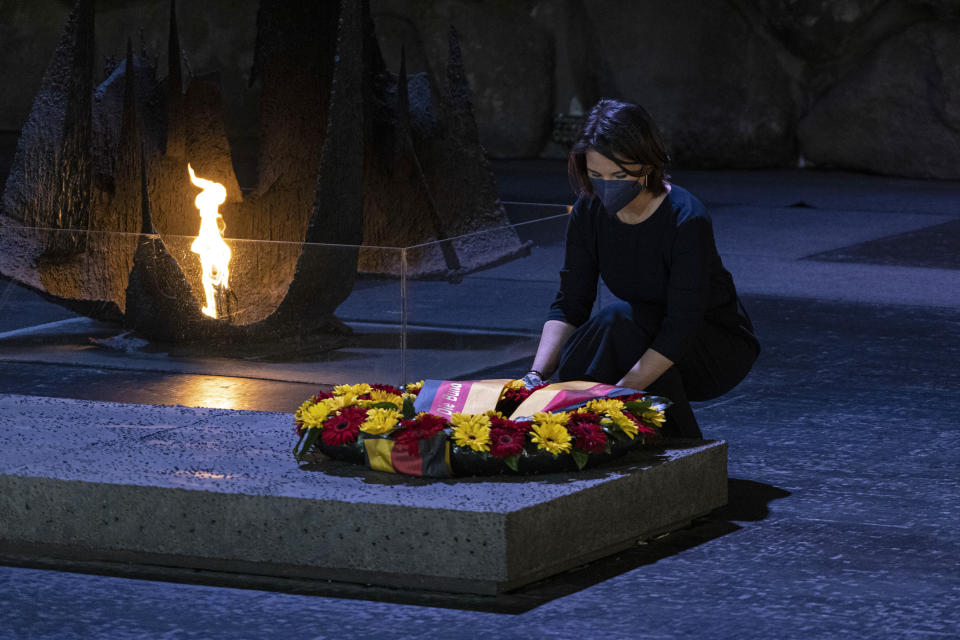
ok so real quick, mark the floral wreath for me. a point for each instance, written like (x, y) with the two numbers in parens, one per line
(378, 424)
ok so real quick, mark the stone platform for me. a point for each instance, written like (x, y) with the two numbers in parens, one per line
(219, 490)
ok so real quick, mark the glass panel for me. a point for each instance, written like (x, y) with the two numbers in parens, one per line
(110, 316)
(484, 321)
(78, 319)
(523, 212)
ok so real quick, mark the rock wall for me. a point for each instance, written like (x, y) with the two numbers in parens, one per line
(716, 86)
(896, 114)
(218, 35)
(868, 85)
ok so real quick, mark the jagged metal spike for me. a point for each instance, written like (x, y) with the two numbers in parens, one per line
(337, 216)
(457, 158)
(146, 222)
(174, 69)
(293, 60)
(403, 92)
(374, 62)
(159, 301)
(459, 100)
(50, 181)
(341, 161)
(176, 139)
(406, 146)
(128, 124)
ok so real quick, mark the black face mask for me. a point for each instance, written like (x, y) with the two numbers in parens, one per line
(616, 194)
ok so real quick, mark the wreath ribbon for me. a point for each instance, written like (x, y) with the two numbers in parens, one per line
(447, 397)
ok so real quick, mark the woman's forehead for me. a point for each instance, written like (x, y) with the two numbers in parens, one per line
(599, 162)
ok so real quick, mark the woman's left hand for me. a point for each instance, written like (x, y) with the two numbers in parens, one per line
(649, 367)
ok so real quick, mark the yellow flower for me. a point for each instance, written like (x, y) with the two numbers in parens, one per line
(298, 416)
(406, 395)
(551, 436)
(655, 416)
(315, 414)
(413, 386)
(625, 423)
(352, 389)
(471, 430)
(515, 384)
(605, 405)
(494, 413)
(339, 402)
(377, 395)
(560, 419)
(380, 421)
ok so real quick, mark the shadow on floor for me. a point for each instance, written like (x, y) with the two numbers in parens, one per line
(748, 501)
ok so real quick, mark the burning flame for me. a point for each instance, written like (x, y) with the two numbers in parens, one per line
(209, 245)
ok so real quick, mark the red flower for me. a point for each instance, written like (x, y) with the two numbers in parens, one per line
(633, 397)
(513, 397)
(388, 388)
(505, 442)
(586, 416)
(517, 396)
(643, 430)
(343, 427)
(496, 422)
(412, 431)
(588, 436)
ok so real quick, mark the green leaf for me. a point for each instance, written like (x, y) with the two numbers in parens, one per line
(580, 457)
(296, 447)
(383, 405)
(616, 434)
(511, 461)
(637, 407)
(312, 436)
(408, 410)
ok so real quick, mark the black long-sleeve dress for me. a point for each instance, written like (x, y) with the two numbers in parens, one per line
(677, 298)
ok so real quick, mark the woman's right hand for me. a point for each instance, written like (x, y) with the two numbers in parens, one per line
(555, 334)
(532, 379)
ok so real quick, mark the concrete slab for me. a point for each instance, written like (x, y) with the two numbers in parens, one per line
(219, 490)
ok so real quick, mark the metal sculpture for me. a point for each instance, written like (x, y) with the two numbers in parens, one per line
(98, 210)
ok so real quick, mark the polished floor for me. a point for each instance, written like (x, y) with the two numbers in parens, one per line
(843, 456)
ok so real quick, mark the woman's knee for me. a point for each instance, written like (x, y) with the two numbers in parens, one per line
(711, 371)
(603, 348)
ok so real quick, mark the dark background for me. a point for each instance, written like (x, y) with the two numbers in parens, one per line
(864, 85)
(843, 440)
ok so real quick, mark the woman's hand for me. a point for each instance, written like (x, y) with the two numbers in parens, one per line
(552, 339)
(532, 379)
(649, 367)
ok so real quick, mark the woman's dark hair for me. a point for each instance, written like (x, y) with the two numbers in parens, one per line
(625, 133)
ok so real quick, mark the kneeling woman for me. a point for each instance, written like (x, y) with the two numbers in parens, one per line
(679, 329)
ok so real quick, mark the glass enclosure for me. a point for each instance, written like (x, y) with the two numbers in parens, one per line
(80, 305)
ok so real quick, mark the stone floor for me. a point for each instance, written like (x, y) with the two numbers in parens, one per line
(843, 454)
